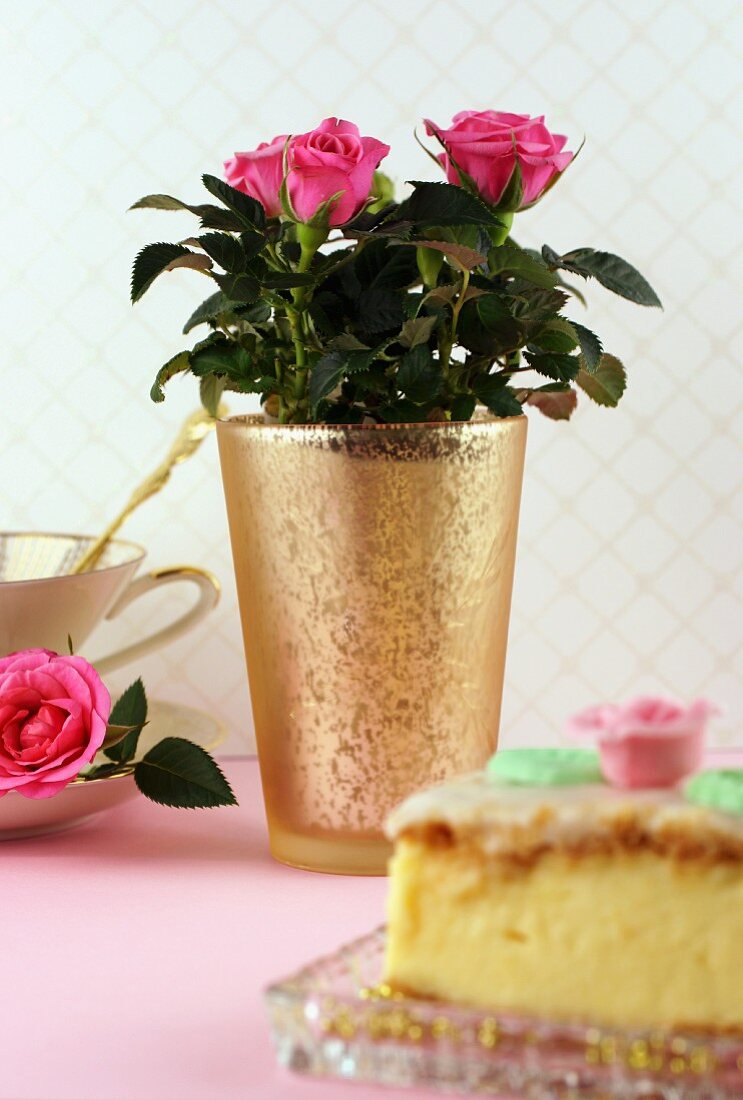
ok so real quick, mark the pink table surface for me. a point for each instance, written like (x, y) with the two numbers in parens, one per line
(135, 949)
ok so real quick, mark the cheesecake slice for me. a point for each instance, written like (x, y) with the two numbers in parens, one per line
(569, 903)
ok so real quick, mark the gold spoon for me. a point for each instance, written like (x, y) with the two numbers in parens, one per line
(193, 431)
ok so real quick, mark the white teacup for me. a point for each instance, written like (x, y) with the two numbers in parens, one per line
(42, 604)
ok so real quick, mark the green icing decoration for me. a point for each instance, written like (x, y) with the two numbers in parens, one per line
(723, 790)
(545, 767)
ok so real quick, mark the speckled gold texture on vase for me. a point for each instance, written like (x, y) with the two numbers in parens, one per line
(374, 570)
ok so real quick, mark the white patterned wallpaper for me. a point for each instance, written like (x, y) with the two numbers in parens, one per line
(629, 572)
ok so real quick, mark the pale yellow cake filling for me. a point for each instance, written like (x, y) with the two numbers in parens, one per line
(627, 938)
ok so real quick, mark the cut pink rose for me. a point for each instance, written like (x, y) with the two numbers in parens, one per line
(53, 715)
(486, 145)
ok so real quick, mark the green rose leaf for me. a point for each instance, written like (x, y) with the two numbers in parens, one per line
(224, 249)
(248, 210)
(590, 347)
(221, 357)
(462, 406)
(179, 363)
(325, 376)
(611, 271)
(404, 411)
(130, 709)
(557, 335)
(212, 217)
(287, 280)
(563, 368)
(380, 310)
(444, 204)
(487, 327)
(418, 376)
(176, 772)
(493, 391)
(211, 389)
(417, 331)
(509, 259)
(240, 288)
(608, 382)
(210, 310)
(153, 259)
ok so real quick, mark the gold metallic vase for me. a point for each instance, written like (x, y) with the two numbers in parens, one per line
(374, 570)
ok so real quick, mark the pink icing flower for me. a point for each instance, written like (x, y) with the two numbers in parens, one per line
(485, 145)
(648, 742)
(53, 715)
(259, 173)
(332, 158)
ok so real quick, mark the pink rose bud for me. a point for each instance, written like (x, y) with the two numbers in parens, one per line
(53, 715)
(486, 145)
(259, 173)
(648, 742)
(333, 159)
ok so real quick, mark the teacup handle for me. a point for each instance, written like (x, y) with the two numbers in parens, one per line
(209, 592)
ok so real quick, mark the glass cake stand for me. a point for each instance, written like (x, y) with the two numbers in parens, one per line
(335, 1019)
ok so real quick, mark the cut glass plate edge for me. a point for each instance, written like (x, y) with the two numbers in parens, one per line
(332, 1018)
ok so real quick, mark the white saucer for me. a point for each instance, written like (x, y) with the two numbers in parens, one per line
(25, 817)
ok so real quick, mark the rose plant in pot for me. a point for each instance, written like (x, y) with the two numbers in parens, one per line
(373, 506)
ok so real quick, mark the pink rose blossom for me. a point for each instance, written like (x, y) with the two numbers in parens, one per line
(332, 158)
(259, 173)
(53, 715)
(485, 145)
(648, 742)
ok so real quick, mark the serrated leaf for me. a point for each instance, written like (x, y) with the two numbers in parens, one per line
(563, 368)
(417, 331)
(210, 310)
(493, 391)
(130, 709)
(222, 357)
(179, 363)
(419, 377)
(380, 310)
(590, 346)
(247, 209)
(325, 376)
(607, 384)
(176, 772)
(240, 288)
(159, 202)
(533, 305)
(463, 406)
(382, 267)
(224, 249)
(611, 271)
(151, 261)
(404, 411)
(287, 280)
(487, 327)
(212, 217)
(444, 204)
(461, 257)
(557, 335)
(557, 406)
(211, 389)
(346, 341)
(509, 259)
